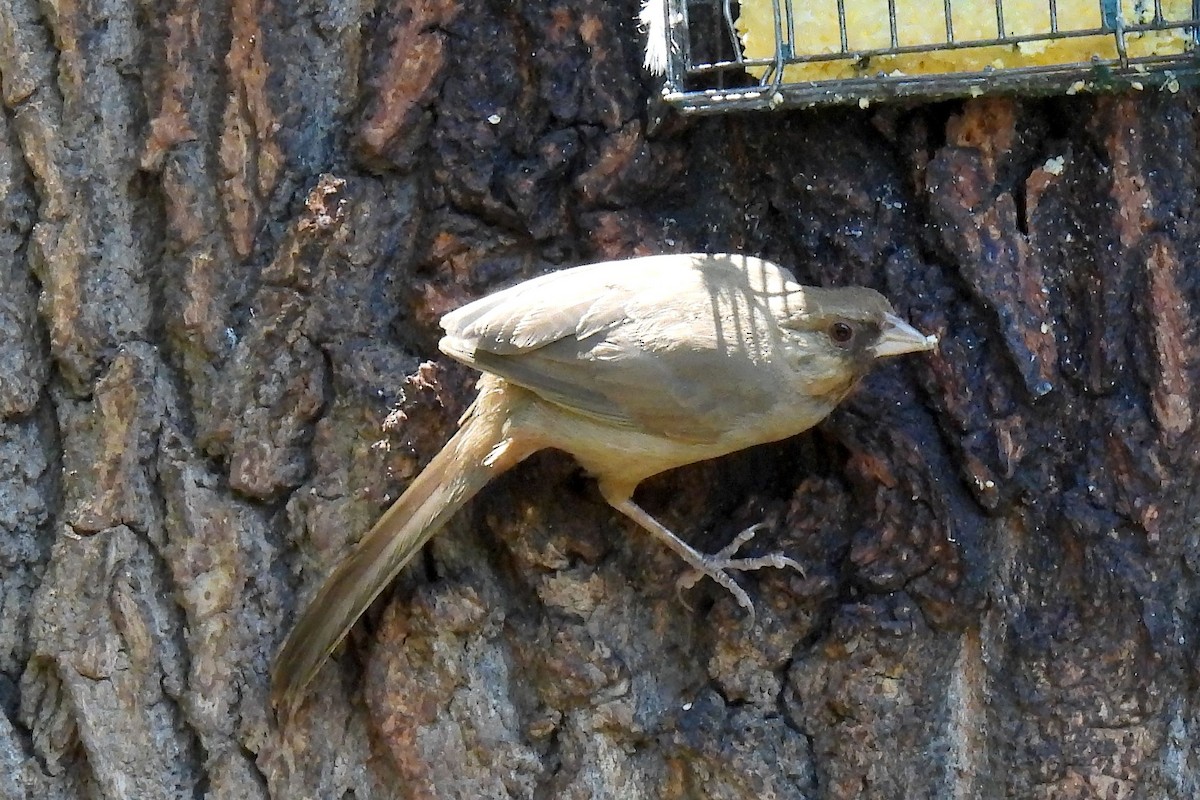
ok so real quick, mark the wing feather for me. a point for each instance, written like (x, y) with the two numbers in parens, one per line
(633, 343)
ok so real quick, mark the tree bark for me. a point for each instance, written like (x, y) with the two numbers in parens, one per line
(227, 232)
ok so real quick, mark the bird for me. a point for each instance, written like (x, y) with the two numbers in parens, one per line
(633, 367)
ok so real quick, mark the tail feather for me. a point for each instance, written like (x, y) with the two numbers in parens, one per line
(477, 453)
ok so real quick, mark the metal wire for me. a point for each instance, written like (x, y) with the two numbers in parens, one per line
(842, 25)
(714, 76)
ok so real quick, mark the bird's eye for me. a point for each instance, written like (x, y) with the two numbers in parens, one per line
(841, 332)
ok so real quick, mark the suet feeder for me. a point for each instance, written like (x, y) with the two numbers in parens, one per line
(720, 55)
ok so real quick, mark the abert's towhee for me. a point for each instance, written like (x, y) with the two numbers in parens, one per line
(633, 367)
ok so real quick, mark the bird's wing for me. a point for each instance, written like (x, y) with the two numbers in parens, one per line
(633, 343)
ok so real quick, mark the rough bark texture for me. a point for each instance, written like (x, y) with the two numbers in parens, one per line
(227, 231)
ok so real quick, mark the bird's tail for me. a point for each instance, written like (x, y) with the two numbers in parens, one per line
(479, 451)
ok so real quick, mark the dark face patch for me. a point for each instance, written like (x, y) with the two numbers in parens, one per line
(853, 336)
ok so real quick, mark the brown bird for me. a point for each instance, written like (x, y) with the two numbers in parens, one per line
(633, 367)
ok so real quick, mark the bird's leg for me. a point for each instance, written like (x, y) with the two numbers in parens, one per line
(715, 565)
(726, 553)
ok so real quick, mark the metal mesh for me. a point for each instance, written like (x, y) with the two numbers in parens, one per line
(726, 55)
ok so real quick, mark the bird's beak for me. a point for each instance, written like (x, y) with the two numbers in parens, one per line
(898, 337)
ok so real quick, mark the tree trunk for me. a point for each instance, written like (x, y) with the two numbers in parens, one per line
(227, 233)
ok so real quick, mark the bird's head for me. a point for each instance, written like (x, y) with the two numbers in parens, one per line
(836, 335)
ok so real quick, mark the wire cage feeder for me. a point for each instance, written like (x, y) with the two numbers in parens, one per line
(723, 55)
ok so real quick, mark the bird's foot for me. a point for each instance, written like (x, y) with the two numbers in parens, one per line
(718, 564)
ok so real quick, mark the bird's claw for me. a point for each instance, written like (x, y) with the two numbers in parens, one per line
(717, 565)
